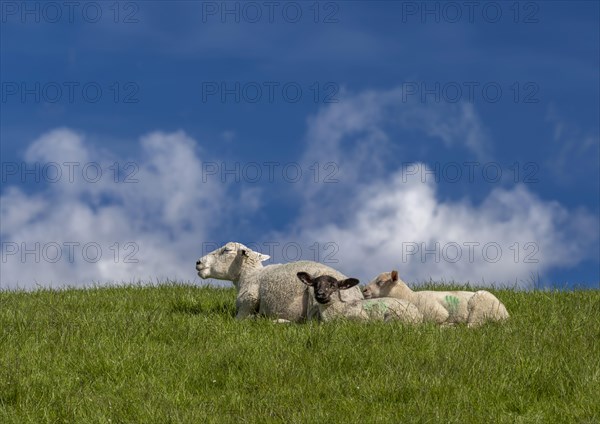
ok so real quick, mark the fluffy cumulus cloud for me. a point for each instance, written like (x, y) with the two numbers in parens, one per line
(379, 217)
(357, 136)
(99, 218)
(401, 223)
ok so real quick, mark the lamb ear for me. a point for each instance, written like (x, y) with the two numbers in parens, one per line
(262, 257)
(347, 283)
(305, 278)
(394, 275)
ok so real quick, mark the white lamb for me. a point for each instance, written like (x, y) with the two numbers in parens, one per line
(442, 307)
(327, 293)
(272, 290)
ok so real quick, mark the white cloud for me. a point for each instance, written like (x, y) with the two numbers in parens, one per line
(59, 145)
(354, 134)
(365, 115)
(158, 221)
(373, 210)
(394, 221)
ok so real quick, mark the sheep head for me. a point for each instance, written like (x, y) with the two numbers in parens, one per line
(381, 285)
(325, 285)
(226, 262)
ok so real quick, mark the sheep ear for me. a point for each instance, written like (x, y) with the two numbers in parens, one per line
(305, 278)
(262, 257)
(394, 275)
(244, 252)
(347, 283)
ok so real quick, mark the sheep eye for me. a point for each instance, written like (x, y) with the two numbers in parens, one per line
(380, 283)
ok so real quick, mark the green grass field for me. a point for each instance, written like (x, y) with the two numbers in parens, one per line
(174, 353)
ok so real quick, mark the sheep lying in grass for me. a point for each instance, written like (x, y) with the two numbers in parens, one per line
(272, 290)
(327, 293)
(442, 307)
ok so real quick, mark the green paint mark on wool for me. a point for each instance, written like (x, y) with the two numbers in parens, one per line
(375, 306)
(452, 302)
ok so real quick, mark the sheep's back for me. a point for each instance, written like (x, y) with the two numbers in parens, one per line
(454, 302)
(386, 308)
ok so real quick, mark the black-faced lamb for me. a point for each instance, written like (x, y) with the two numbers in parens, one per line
(327, 290)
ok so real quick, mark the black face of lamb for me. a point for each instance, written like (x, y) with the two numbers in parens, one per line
(324, 287)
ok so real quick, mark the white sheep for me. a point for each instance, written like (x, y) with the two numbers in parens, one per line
(326, 291)
(272, 290)
(442, 307)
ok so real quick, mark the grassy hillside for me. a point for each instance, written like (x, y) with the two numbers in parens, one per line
(174, 353)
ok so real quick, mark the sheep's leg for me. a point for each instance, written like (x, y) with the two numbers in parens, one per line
(247, 302)
(433, 311)
(246, 309)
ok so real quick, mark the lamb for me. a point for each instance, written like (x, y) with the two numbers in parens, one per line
(272, 290)
(331, 306)
(442, 307)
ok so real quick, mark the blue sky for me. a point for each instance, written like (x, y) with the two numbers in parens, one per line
(388, 90)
